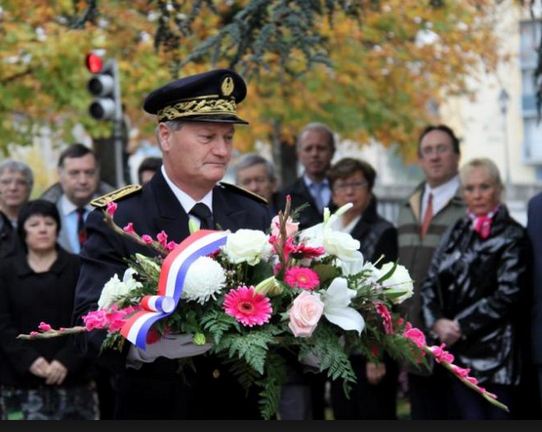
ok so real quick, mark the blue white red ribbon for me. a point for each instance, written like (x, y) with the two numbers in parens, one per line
(171, 283)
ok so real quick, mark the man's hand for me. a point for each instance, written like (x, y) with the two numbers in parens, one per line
(39, 368)
(57, 373)
(448, 331)
(375, 372)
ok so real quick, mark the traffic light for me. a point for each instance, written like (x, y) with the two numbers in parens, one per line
(104, 86)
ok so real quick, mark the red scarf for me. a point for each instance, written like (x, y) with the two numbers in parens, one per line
(482, 224)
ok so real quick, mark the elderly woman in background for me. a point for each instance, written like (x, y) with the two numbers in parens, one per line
(473, 291)
(374, 396)
(41, 379)
(16, 181)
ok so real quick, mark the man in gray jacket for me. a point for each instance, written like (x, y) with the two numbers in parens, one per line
(434, 206)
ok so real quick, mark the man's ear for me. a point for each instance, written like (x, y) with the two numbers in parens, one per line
(164, 134)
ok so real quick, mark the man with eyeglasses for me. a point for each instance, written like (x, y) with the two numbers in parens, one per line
(433, 207)
(79, 183)
(16, 181)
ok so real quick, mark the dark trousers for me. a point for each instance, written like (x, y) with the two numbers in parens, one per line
(540, 385)
(158, 391)
(430, 396)
(472, 406)
(367, 401)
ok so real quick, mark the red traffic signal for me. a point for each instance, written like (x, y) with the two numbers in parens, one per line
(94, 63)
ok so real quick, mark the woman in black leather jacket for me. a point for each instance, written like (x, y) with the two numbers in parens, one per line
(473, 292)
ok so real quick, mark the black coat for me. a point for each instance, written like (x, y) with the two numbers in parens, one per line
(535, 233)
(153, 209)
(8, 238)
(377, 236)
(301, 195)
(480, 283)
(28, 298)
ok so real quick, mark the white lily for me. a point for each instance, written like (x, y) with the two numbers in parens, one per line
(337, 299)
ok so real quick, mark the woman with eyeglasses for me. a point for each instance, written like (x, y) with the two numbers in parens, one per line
(41, 379)
(374, 396)
(472, 296)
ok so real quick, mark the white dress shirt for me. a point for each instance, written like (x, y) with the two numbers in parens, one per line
(186, 201)
(69, 235)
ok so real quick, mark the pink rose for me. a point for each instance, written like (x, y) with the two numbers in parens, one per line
(291, 227)
(306, 311)
(147, 239)
(111, 208)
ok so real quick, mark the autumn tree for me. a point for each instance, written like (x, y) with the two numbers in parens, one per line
(371, 69)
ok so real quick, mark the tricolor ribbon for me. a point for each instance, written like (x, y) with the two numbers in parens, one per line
(171, 283)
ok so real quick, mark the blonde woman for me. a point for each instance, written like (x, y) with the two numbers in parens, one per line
(473, 291)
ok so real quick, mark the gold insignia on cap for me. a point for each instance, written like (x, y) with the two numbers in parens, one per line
(227, 86)
(115, 196)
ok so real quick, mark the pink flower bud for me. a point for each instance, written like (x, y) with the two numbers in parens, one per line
(171, 246)
(33, 334)
(44, 327)
(111, 208)
(129, 229)
(147, 239)
(162, 238)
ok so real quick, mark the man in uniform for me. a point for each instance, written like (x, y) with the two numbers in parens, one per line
(196, 116)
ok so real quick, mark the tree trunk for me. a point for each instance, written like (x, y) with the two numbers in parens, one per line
(284, 158)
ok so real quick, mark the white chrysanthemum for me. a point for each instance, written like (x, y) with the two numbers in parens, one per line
(205, 278)
(116, 288)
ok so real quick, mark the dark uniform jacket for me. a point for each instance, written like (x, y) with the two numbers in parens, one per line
(301, 195)
(479, 283)
(213, 393)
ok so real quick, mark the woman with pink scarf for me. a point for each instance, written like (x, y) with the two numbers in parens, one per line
(473, 293)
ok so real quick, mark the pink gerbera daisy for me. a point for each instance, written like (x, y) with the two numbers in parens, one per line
(248, 307)
(302, 277)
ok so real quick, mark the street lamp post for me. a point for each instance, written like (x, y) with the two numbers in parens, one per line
(504, 97)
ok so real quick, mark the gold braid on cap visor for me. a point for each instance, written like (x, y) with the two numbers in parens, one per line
(194, 107)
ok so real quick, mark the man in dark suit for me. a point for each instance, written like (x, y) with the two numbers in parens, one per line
(315, 149)
(534, 228)
(196, 118)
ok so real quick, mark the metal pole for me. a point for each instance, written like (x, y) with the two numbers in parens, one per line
(503, 99)
(117, 128)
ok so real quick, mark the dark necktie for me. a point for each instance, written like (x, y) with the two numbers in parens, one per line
(202, 212)
(81, 230)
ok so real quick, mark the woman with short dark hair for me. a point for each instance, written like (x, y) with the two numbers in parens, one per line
(374, 395)
(41, 379)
